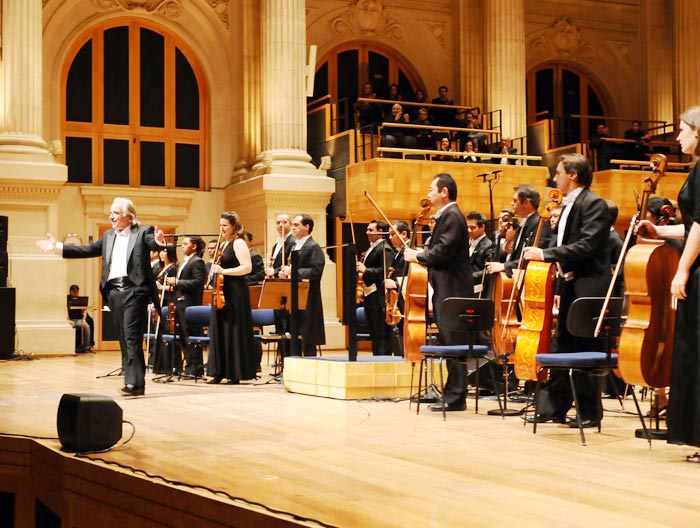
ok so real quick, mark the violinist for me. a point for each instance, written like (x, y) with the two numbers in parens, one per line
(661, 211)
(526, 201)
(683, 415)
(211, 251)
(480, 247)
(165, 360)
(232, 354)
(311, 264)
(615, 244)
(582, 253)
(374, 267)
(447, 256)
(505, 235)
(283, 246)
(188, 287)
(395, 282)
(257, 273)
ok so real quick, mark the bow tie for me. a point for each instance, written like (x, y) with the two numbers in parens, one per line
(568, 199)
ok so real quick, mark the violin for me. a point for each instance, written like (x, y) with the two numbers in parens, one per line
(171, 317)
(393, 314)
(505, 328)
(535, 333)
(217, 295)
(359, 291)
(646, 342)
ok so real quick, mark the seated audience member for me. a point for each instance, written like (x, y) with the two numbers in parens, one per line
(396, 136)
(471, 121)
(603, 149)
(368, 115)
(445, 146)
(638, 150)
(424, 137)
(81, 321)
(504, 147)
(412, 110)
(442, 116)
(394, 96)
(469, 151)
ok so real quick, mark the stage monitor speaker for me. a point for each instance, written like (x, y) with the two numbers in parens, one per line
(8, 301)
(88, 422)
(3, 234)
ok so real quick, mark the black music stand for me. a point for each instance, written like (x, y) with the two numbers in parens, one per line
(274, 295)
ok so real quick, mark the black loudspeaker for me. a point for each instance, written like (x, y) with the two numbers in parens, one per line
(3, 234)
(7, 322)
(88, 422)
(4, 269)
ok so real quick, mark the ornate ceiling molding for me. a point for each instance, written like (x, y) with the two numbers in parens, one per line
(563, 39)
(437, 30)
(367, 18)
(169, 8)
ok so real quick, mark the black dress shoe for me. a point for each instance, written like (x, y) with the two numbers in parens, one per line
(214, 381)
(130, 390)
(456, 406)
(585, 423)
(542, 418)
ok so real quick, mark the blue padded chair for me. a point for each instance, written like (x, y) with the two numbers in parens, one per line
(174, 341)
(197, 317)
(266, 317)
(581, 321)
(461, 315)
(362, 332)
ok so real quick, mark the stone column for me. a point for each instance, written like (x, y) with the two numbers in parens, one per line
(657, 40)
(283, 65)
(504, 57)
(21, 78)
(31, 183)
(471, 52)
(687, 56)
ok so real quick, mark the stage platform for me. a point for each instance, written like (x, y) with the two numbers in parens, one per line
(255, 455)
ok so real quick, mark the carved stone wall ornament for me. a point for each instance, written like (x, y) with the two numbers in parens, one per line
(368, 18)
(169, 8)
(563, 39)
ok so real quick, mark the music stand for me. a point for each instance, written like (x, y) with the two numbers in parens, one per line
(274, 295)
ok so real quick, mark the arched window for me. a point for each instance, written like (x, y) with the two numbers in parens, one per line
(343, 71)
(134, 109)
(558, 92)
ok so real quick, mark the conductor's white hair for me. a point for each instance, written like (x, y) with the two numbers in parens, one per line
(127, 209)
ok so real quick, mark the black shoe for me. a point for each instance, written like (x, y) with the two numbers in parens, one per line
(130, 390)
(214, 381)
(584, 423)
(456, 406)
(426, 398)
(542, 418)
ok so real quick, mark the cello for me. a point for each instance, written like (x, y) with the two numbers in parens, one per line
(535, 334)
(646, 342)
(416, 296)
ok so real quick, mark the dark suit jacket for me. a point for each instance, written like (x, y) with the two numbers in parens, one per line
(141, 243)
(378, 267)
(257, 274)
(528, 230)
(482, 253)
(497, 159)
(311, 264)
(448, 258)
(189, 289)
(277, 263)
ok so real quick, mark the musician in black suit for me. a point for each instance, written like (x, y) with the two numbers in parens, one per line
(399, 235)
(447, 256)
(584, 260)
(311, 264)
(526, 201)
(481, 248)
(374, 267)
(188, 288)
(127, 282)
(283, 246)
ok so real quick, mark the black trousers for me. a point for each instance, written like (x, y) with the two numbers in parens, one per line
(379, 331)
(129, 307)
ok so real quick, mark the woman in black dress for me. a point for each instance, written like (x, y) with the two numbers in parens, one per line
(683, 416)
(231, 348)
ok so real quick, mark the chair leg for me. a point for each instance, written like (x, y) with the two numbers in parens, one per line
(442, 389)
(647, 433)
(495, 388)
(420, 383)
(478, 385)
(410, 392)
(578, 412)
(538, 384)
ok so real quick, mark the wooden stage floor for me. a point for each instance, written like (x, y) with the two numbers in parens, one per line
(370, 463)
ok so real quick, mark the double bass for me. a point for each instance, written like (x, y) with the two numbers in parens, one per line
(535, 334)
(646, 342)
(506, 324)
